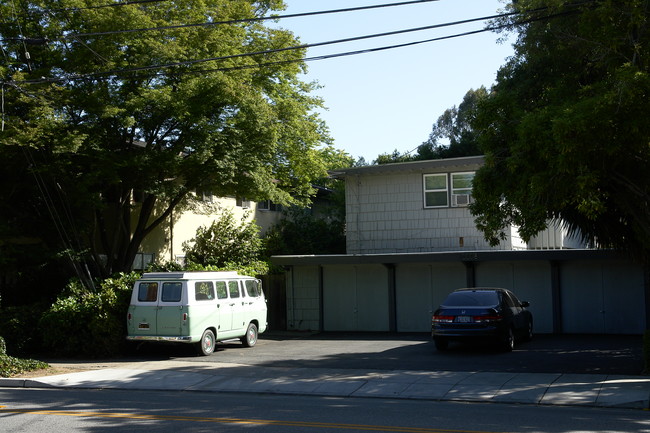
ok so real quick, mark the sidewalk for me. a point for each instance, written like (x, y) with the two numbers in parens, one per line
(493, 387)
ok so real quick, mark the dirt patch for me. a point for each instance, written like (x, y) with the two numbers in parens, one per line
(51, 371)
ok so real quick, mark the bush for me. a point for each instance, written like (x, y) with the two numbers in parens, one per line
(19, 328)
(10, 365)
(225, 243)
(87, 323)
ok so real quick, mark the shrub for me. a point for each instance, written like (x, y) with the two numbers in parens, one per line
(19, 328)
(81, 322)
(225, 243)
(10, 365)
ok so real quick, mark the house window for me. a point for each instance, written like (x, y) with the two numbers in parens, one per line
(142, 261)
(243, 202)
(204, 196)
(435, 190)
(461, 188)
(269, 205)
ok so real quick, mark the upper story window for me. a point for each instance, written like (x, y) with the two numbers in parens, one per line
(435, 190)
(461, 188)
(439, 188)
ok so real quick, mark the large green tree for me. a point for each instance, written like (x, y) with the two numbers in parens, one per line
(565, 128)
(104, 101)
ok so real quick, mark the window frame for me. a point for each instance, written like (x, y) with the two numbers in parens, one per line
(436, 190)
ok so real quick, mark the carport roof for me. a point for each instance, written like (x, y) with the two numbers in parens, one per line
(453, 256)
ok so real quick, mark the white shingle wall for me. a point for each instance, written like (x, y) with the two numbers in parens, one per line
(386, 214)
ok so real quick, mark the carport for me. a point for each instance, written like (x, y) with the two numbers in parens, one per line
(570, 291)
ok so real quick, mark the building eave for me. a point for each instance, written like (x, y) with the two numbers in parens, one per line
(430, 165)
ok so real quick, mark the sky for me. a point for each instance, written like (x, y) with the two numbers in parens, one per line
(389, 100)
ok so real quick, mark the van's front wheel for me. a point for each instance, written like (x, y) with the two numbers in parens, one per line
(250, 338)
(207, 343)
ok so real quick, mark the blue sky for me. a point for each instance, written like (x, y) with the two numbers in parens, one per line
(388, 100)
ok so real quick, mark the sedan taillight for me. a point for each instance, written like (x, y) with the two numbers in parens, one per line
(442, 319)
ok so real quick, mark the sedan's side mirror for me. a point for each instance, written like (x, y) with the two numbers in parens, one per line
(525, 304)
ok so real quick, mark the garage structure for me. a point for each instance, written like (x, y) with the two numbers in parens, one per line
(570, 291)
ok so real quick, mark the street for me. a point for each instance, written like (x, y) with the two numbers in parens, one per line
(580, 354)
(39, 410)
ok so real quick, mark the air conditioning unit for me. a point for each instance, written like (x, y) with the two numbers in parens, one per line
(460, 200)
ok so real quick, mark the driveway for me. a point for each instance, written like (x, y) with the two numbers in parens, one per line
(368, 351)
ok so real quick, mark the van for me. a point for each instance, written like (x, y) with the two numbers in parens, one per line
(197, 308)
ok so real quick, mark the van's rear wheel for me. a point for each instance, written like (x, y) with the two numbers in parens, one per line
(207, 343)
(250, 338)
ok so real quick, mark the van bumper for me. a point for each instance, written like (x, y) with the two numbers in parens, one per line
(184, 339)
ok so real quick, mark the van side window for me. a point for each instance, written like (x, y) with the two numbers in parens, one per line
(171, 292)
(204, 291)
(252, 288)
(233, 288)
(222, 293)
(148, 292)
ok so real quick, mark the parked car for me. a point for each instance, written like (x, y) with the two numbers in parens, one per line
(479, 314)
(198, 308)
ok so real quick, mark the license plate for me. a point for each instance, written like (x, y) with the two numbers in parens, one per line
(143, 326)
(463, 319)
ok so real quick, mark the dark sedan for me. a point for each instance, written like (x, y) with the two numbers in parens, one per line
(479, 314)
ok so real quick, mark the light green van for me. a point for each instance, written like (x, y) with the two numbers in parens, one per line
(199, 308)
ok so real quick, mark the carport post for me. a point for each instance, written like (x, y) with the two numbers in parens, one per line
(392, 298)
(556, 296)
(646, 291)
(470, 274)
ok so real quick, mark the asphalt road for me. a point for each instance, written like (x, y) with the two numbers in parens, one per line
(544, 354)
(108, 411)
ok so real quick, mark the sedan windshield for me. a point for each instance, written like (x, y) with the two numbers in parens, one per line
(472, 299)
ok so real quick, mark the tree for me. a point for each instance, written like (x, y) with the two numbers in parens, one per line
(565, 129)
(104, 102)
(452, 135)
(318, 230)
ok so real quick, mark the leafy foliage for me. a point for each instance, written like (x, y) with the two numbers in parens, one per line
(565, 128)
(225, 243)
(302, 232)
(20, 330)
(10, 365)
(81, 322)
(108, 106)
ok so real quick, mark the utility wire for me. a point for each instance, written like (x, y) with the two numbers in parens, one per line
(323, 57)
(248, 20)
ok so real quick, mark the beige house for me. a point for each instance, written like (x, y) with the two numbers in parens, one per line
(165, 243)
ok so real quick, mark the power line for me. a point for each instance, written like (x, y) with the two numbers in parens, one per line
(226, 22)
(305, 46)
(117, 73)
